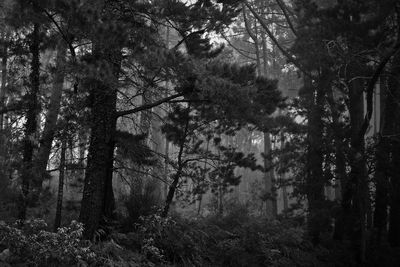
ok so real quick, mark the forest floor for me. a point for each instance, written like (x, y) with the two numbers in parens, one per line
(236, 239)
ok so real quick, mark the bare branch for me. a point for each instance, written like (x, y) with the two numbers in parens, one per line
(288, 55)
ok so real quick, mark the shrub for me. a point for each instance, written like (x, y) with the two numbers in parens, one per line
(142, 202)
(32, 244)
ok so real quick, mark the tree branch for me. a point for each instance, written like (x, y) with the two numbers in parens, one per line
(371, 86)
(147, 106)
(285, 13)
(289, 56)
(66, 39)
(12, 107)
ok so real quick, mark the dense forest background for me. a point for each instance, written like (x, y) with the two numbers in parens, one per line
(200, 133)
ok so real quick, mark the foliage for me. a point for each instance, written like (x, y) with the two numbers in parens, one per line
(236, 239)
(140, 202)
(31, 243)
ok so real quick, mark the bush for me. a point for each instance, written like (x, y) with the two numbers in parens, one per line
(224, 241)
(32, 244)
(140, 203)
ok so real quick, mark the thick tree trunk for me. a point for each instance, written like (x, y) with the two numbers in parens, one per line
(97, 200)
(31, 123)
(51, 118)
(57, 220)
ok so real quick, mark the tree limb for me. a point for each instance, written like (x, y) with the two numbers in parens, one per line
(371, 86)
(147, 106)
(285, 13)
(289, 56)
(11, 108)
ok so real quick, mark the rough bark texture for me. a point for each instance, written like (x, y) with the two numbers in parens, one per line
(97, 199)
(31, 123)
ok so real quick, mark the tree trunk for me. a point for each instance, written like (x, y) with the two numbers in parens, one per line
(393, 139)
(340, 162)
(270, 203)
(31, 123)
(57, 220)
(3, 137)
(358, 184)
(177, 176)
(381, 175)
(315, 177)
(51, 118)
(97, 199)
(3, 79)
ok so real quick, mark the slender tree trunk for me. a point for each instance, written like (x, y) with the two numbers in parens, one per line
(270, 203)
(381, 175)
(315, 178)
(178, 174)
(393, 140)
(31, 123)
(358, 184)
(3, 141)
(254, 37)
(3, 78)
(340, 162)
(57, 221)
(51, 119)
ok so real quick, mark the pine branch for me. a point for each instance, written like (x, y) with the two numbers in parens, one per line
(147, 106)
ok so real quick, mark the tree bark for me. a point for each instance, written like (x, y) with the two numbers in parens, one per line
(358, 184)
(31, 122)
(97, 200)
(315, 177)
